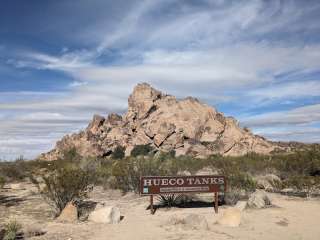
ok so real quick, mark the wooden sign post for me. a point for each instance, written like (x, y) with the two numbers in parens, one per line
(157, 185)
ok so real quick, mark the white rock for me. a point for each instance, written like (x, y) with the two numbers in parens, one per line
(268, 182)
(259, 199)
(184, 173)
(241, 205)
(109, 215)
(206, 171)
(230, 218)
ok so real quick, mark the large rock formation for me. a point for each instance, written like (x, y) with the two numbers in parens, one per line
(186, 126)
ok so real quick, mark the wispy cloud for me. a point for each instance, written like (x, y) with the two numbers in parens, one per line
(298, 116)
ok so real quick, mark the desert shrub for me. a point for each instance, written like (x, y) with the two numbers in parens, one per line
(304, 163)
(173, 165)
(127, 171)
(71, 155)
(104, 176)
(2, 181)
(236, 174)
(11, 229)
(241, 180)
(65, 185)
(13, 171)
(118, 152)
(302, 183)
(141, 150)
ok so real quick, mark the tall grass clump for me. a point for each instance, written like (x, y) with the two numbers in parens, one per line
(11, 230)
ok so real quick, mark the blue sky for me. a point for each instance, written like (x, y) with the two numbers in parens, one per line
(63, 61)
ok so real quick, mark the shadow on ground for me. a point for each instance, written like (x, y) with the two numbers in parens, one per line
(11, 200)
(191, 204)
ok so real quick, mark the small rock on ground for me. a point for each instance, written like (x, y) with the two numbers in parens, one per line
(109, 215)
(68, 214)
(259, 199)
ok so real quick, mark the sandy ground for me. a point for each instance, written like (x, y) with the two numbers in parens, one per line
(291, 218)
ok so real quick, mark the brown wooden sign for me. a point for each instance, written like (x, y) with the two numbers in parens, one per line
(154, 185)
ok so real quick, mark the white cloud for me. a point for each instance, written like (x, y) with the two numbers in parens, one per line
(296, 133)
(77, 84)
(288, 90)
(298, 116)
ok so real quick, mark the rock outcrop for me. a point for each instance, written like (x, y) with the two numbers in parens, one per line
(186, 126)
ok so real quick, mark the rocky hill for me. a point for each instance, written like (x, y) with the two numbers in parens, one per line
(186, 126)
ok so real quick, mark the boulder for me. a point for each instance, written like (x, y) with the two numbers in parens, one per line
(191, 221)
(269, 182)
(259, 199)
(231, 217)
(69, 214)
(108, 215)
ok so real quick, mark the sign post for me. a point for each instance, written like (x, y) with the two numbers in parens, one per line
(151, 204)
(216, 199)
(154, 185)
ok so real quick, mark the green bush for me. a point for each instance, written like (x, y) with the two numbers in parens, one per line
(65, 185)
(127, 171)
(118, 153)
(240, 180)
(302, 183)
(2, 181)
(71, 155)
(141, 150)
(14, 171)
(11, 229)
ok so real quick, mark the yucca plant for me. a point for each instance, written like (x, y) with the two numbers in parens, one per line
(170, 200)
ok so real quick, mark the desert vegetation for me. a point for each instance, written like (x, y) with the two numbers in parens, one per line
(63, 186)
(71, 177)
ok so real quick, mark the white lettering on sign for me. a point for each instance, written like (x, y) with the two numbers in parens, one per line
(183, 181)
(147, 182)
